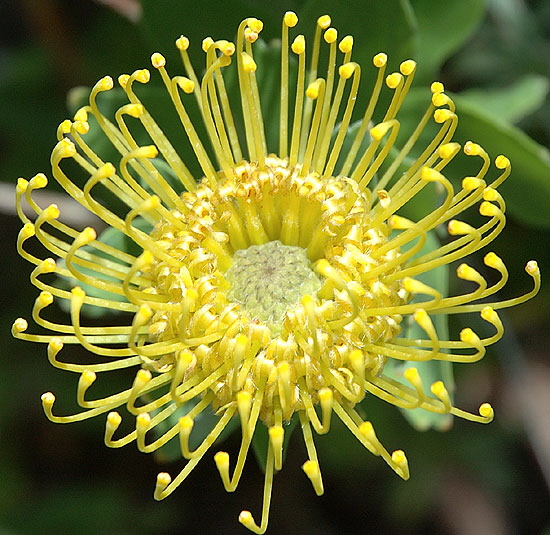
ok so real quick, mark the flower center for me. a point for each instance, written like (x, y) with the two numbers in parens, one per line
(270, 278)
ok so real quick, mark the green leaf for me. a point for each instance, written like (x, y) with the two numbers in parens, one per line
(511, 103)
(442, 28)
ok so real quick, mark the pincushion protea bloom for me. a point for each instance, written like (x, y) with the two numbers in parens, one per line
(279, 283)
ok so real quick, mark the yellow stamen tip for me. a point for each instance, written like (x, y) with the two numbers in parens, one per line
(207, 42)
(20, 325)
(472, 149)
(407, 67)
(532, 267)
(346, 71)
(502, 162)
(486, 411)
(182, 43)
(442, 115)
(470, 183)
(394, 79)
(105, 84)
(324, 21)
(437, 87)
(331, 35)
(123, 80)
(299, 45)
(431, 175)
(158, 60)
(249, 64)
(380, 60)
(346, 44)
(290, 19)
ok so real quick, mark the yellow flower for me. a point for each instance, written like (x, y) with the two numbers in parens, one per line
(279, 284)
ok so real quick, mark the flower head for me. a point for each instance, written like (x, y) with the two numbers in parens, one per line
(283, 282)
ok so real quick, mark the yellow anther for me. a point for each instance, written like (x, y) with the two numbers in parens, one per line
(470, 183)
(412, 375)
(494, 261)
(78, 293)
(276, 437)
(81, 115)
(143, 315)
(437, 87)
(459, 228)
(491, 194)
(438, 389)
(244, 403)
(415, 286)
(227, 48)
(163, 480)
(255, 25)
(431, 175)
(250, 35)
(501, 162)
(185, 84)
(421, 316)
(448, 150)
(22, 185)
(143, 421)
(142, 76)
(158, 60)
(346, 44)
(380, 60)
(123, 80)
(469, 337)
(488, 209)
(346, 71)
(148, 151)
(397, 222)
(326, 398)
(312, 91)
(440, 99)
(407, 67)
(394, 79)
(81, 127)
(105, 84)
(27, 231)
(366, 430)
(65, 126)
(486, 411)
(311, 469)
(249, 64)
(47, 266)
(379, 131)
(86, 379)
(221, 458)
(38, 181)
(324, 21)
(442, 115)
(182, 42)
(113, 422)
(247, 520)
(48, 399)
(298, 45)
(51, 212)
(20, 325)
(87, 236)
(472, 149)
(330, 35)
(290, 19)
(489, 314)
(532, 267)
(65, 148)
(466, 272)
(400, 461)
(207, 42)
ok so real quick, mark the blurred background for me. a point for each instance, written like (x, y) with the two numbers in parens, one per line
(494, 55)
